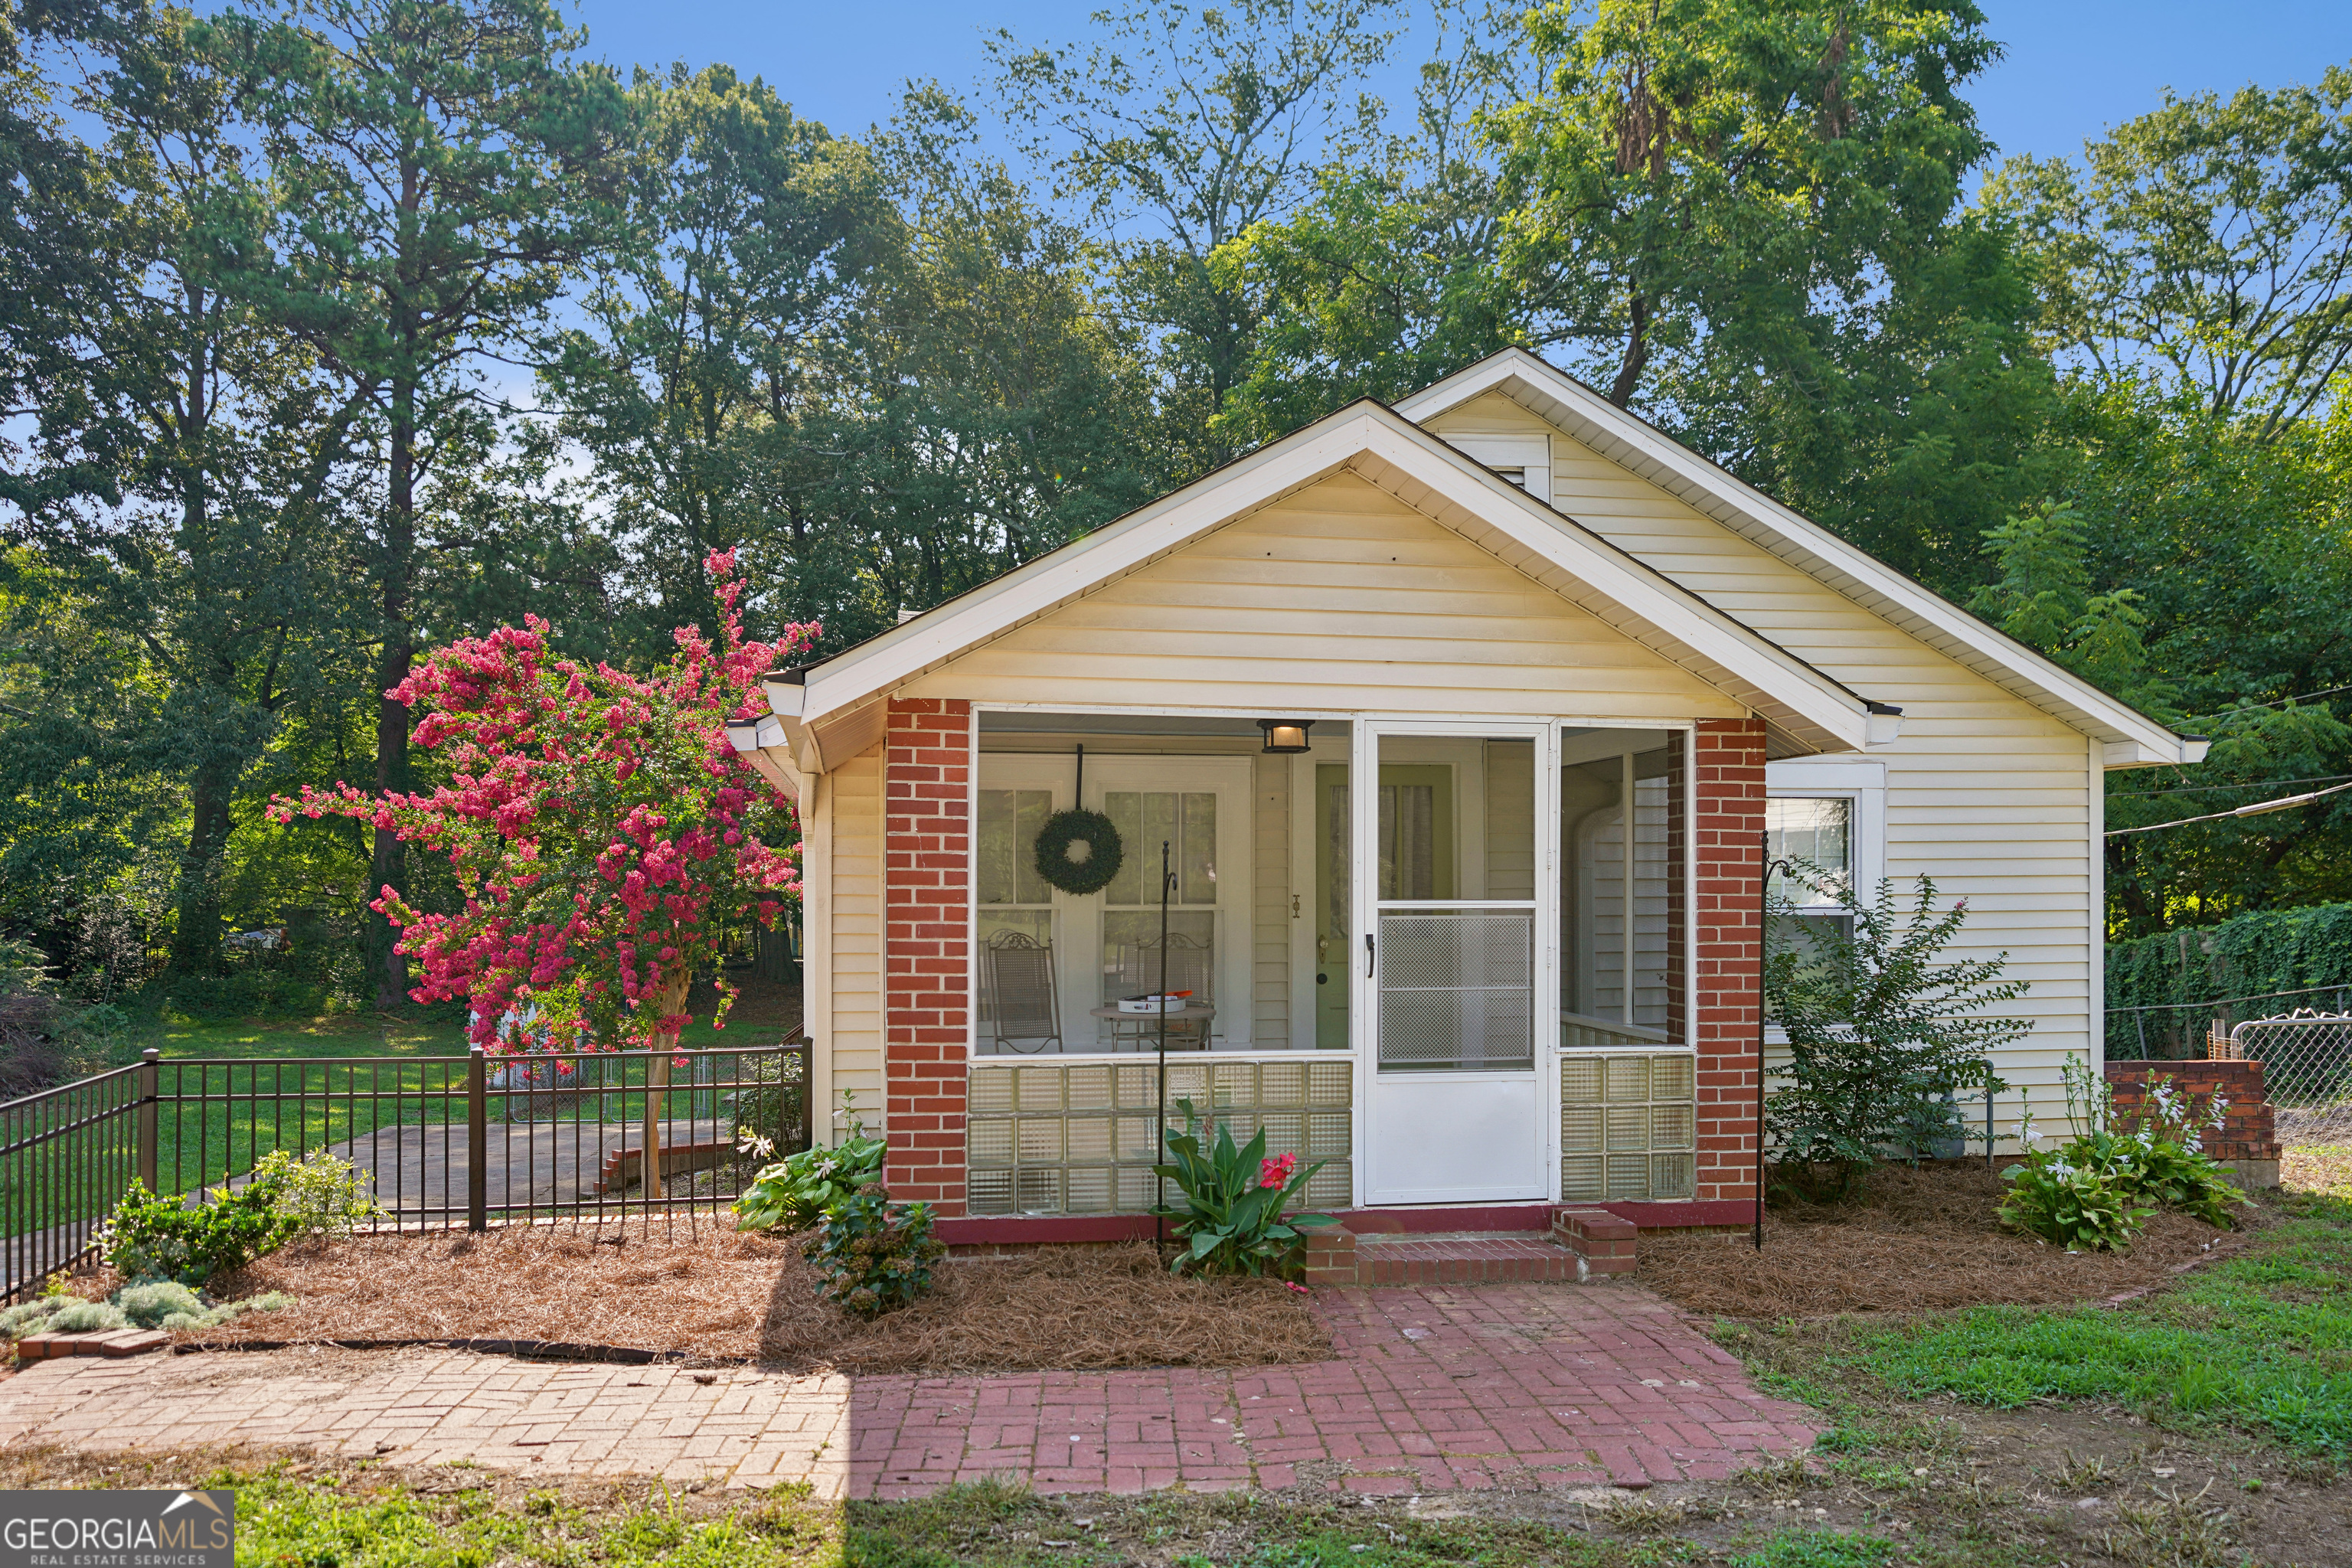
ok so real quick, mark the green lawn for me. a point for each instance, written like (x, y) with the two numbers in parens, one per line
(351, 1514)
(324, 1081)
(2263, 1344)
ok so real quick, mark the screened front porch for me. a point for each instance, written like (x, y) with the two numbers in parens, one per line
(1520, 944)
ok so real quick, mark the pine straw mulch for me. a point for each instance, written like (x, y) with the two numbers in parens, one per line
(1915, 1240)
(726, 1296)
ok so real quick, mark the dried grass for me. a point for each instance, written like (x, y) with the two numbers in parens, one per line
(1915, 1240)
(726, 1296)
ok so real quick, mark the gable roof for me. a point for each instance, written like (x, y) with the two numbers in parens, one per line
(1812, 710)
(2131, 738)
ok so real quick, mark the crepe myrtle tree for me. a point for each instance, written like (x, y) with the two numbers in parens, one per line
(603, 831)
(1881, 1034)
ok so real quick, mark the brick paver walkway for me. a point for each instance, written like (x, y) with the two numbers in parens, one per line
(743, 1428)
(1432, 1388)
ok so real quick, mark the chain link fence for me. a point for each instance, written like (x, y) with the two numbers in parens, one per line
(2306, 1059)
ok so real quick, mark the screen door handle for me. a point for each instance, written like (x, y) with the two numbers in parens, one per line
(1368, 955)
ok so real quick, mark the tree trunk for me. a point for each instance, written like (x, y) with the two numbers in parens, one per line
(1637, 355)
(196, 928)
(669, 999)
(388, 866)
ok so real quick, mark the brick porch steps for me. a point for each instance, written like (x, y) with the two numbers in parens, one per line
(1583, 1246)
(1465, 1257)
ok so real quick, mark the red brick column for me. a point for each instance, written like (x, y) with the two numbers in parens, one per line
(927, 854)
(1729, 756)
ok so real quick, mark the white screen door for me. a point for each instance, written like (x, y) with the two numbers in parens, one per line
(1452, 842)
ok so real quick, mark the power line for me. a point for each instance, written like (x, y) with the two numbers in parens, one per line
(2257, 809)
(2208, 789)
(2306, 697)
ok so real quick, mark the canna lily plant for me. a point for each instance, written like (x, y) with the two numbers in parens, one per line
(1231, 1220)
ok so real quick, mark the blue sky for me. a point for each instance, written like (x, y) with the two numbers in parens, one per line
(2075, 66)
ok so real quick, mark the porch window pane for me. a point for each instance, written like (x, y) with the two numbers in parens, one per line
(1332, 906)
(1186, 821)
(1817, 832)
(1620, 898)
(1010, 820)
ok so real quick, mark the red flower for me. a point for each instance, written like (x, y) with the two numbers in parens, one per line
(595, 820)
(1275, 1171)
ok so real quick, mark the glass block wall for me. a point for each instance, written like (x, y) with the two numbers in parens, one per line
(1049, 1137)
(1628, 1126)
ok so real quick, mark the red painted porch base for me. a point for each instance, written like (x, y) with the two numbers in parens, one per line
(1052, 1230)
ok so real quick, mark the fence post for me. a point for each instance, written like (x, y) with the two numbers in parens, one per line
(150, 1091)
(478, 1142)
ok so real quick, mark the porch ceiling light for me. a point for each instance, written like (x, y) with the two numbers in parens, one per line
(1286, 736)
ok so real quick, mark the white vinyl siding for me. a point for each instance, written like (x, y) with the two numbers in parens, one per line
(854, 803)
(1985, 794)
(1338, 599)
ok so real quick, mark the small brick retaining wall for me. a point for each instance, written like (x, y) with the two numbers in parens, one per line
(2248, 1139)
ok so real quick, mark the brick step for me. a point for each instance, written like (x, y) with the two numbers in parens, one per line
(1467, 1258)
(1584, 1244)
(97, 1342)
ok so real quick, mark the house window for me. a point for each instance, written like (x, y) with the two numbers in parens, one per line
(1828, 816)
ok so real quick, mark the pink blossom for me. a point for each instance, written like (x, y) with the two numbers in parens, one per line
(593, 819)
(1274, 1171)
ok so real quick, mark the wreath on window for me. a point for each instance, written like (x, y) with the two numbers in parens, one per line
(1079, 851)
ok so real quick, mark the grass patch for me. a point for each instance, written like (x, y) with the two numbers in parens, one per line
(1818, 1549)
(2262, 1342)
(1000, 1526)
(358, 1518)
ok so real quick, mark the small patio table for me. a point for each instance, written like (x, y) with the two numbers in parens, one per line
(1145, 1032)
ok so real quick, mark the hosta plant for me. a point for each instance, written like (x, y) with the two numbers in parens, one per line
(2080, 1207)
(794, 1193)
(874, 1256)
(1231, 1220)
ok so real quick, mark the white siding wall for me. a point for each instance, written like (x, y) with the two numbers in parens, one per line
(853, 797)
(1338, 598)
(1985, 794)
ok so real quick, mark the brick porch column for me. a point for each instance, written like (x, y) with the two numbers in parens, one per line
(1729, 757)
(927, 853)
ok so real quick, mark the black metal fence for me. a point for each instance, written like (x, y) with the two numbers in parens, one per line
(437, 1141)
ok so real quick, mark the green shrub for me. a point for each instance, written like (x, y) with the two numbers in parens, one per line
(149, 1305)
(150, 1238)
(793, 1194)
(321, 1195)
(874, 1257)
(86, 1318)
(2097, 1189)
(1881, 1036)
(26, 1317)
(2080, 1207)
(1231, 1219)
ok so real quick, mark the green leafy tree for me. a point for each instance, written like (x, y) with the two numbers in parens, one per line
(1881, 1035)
(438, 169)
(2210, 240)
(1386, 279)
(1009, 411)
(2044, 599)
(707, 375)
(1740, 217)
(1177, 131)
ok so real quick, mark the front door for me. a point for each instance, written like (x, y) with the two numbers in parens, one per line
(1451, 962)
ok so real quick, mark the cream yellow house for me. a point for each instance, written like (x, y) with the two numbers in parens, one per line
(1464, 729)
